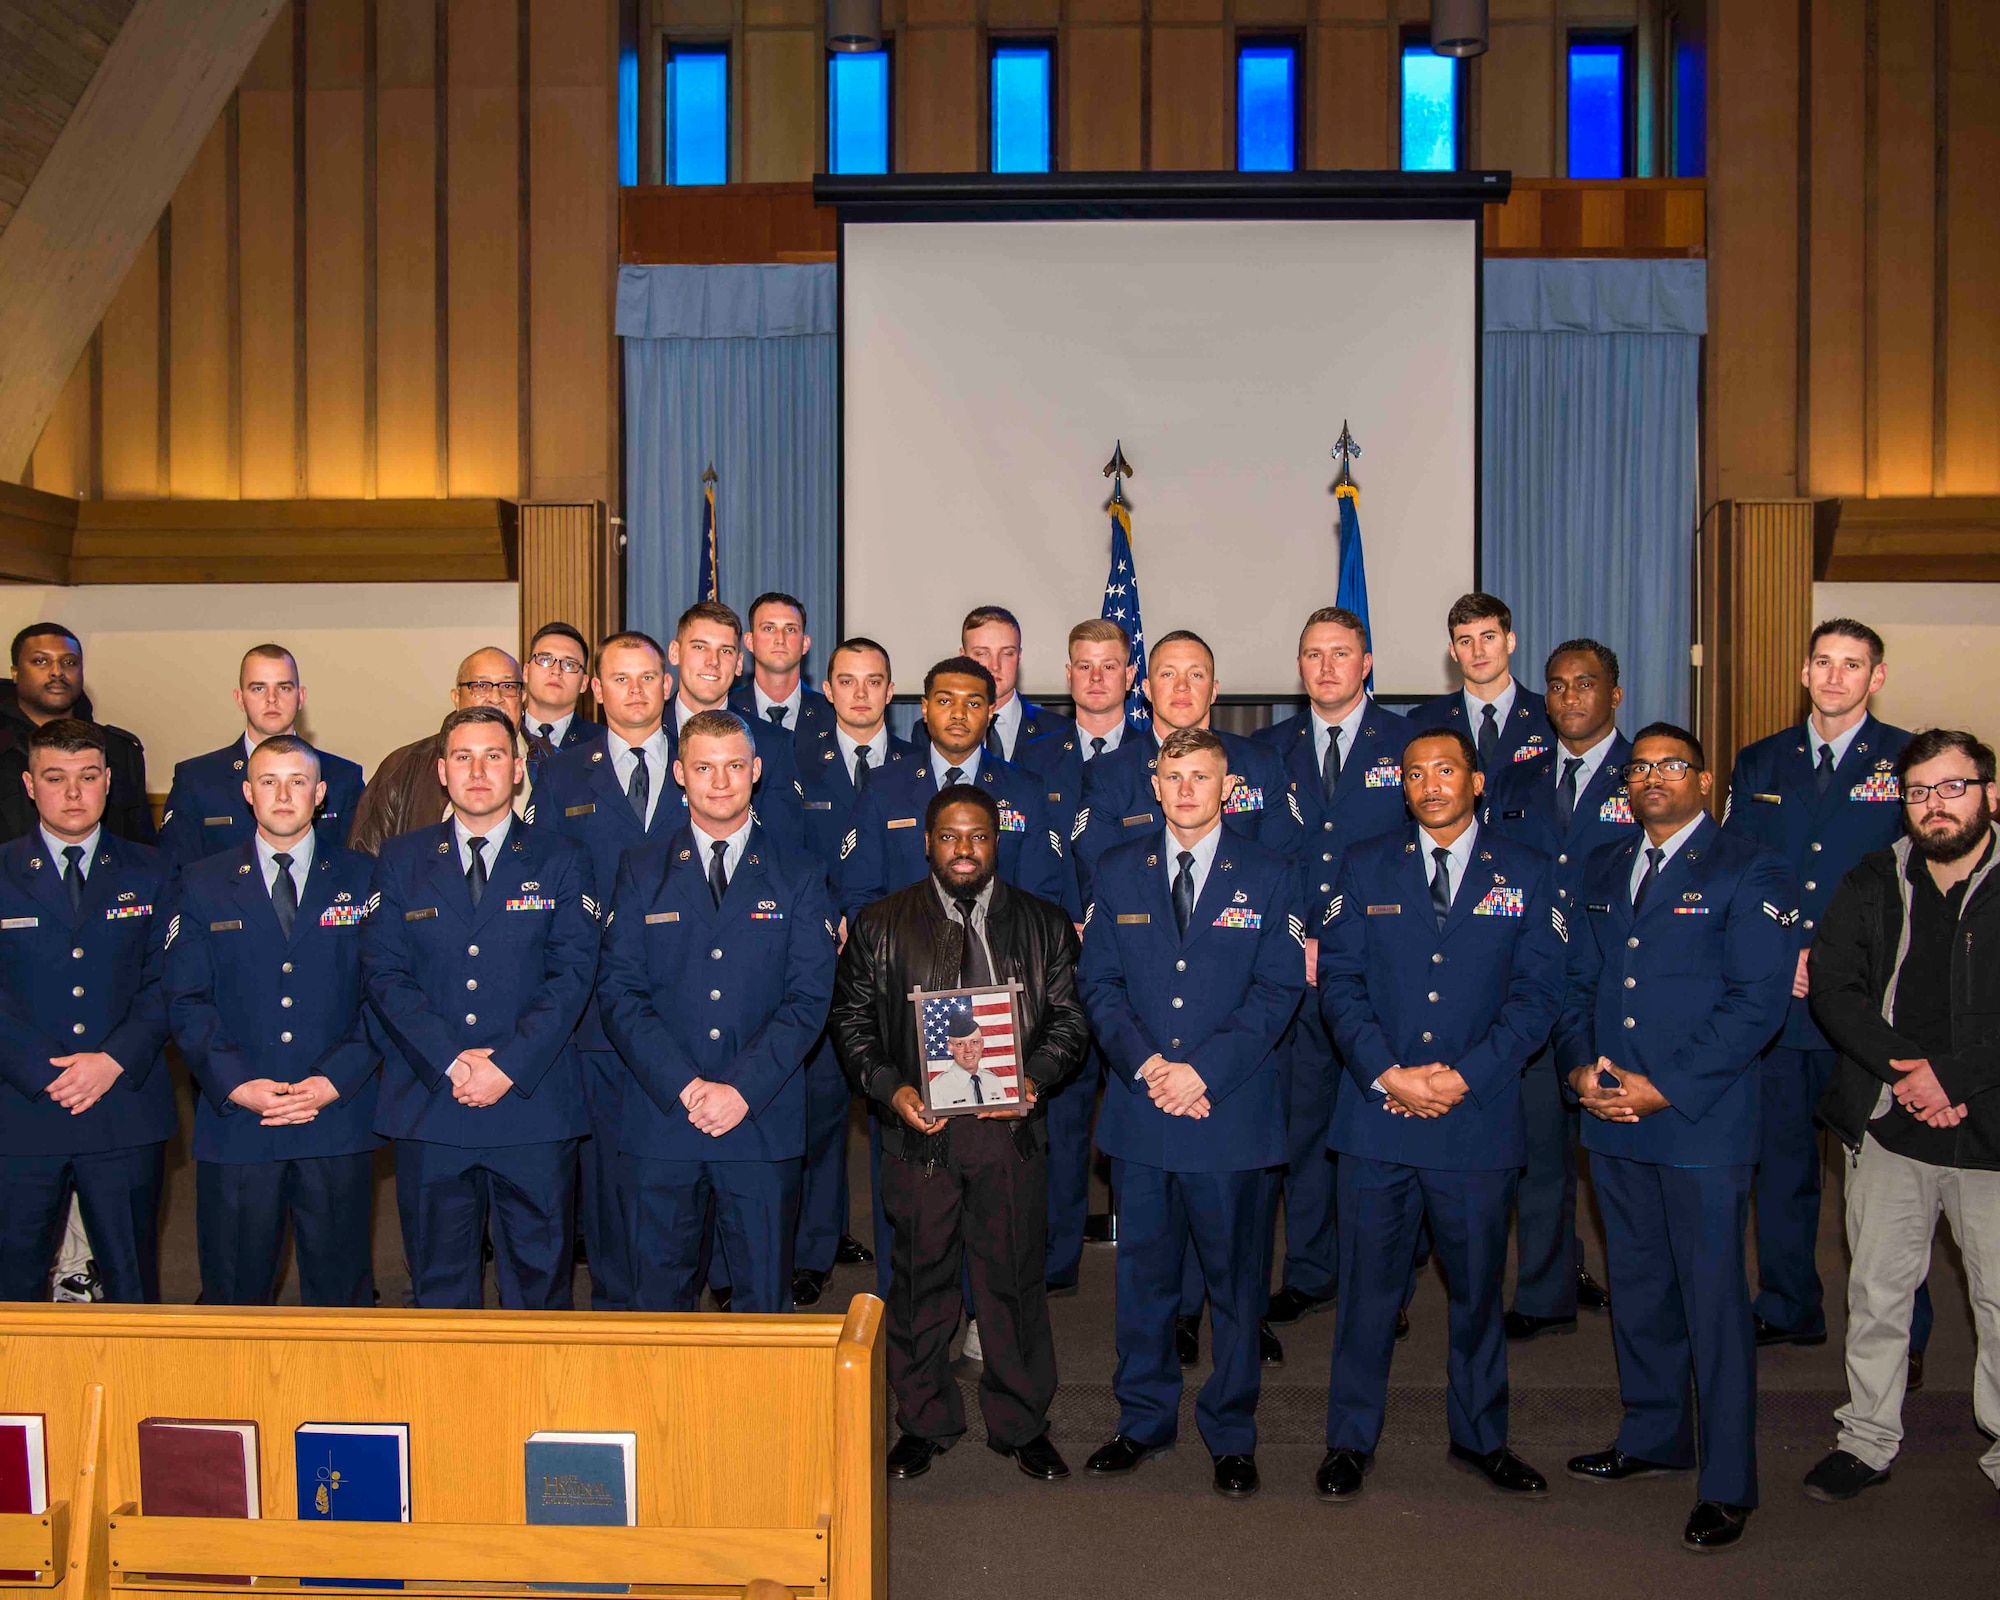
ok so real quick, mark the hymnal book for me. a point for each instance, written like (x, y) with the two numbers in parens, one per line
(24, 1474)
(582, 1480)
(198, 1467)
(353, 1472)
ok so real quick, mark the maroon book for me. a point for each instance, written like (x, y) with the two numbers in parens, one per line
(24, 1474)
(198, 1467)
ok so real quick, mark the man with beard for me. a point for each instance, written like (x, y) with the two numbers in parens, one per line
(48, 683)
(973, 1186)
(1904, 982)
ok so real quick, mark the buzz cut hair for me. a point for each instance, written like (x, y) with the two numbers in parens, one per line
(1338, 617)
(632, 639)
(1607, 658)
(1477, 606)
(859, 643)
(1457, 736)
(70, 735)
(717, 725)
(709, 611)
(1184, 636)
(36, 630)
(1848, 628)
(979, 616)
(776, 597)
(1680, 735)
(1192, 742)
(960, 667)
(1101, 630)
(287, 744)
(267, 652)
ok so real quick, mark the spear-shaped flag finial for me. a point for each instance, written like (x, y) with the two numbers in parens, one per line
(1118, 466)
(1345, 450)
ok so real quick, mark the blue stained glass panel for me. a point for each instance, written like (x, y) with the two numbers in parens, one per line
(1430, 111)
(1597, 110)
(1021, 93)
(857, 111)
(1267, 107)
(1690, 112)
(698, 116)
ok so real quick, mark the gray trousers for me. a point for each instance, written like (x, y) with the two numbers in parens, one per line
(1892, 1211)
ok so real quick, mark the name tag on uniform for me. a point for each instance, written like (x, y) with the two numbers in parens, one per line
(902, 822)
(1509, 816)
(1055, 797)
(580, 811)
(216, 822)
(1135, 916)
(819, 805)
(1502, 902)
(662, 916)
(1385, 911)
(418, 916)
(234, 925)
(1012, 821)
(1599, 905)
(1238, 917)
(1133, 822)
(341, 917)
(1768, 799)
(1243, 798)
(531, 902)
(21, 922)
(120, 913)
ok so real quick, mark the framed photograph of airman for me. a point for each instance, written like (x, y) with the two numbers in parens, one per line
(971, 1058)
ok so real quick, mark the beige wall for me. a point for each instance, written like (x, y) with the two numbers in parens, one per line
(1941, 637)
(377, 659)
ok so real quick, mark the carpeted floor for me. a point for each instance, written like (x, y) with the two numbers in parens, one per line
(975, 1529)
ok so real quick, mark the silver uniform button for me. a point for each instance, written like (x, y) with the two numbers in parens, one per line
(1814, 847)
(76, 954)
(1631, 983)
(1179, 966)
(1326, 855)
(1631, 1022)
(1432, 997)
(472, 983)
(470, 1018)
(1326, 827)
(286, 1002)
(1562, 861)
(1427, 1038)
(1326, 888)
(78, 991)
(1173, 1044)
(1808, 926)
(715, 955)
(1631, 944)
(715, 994)
(715, 1033)
(287, 967)
(284, 1038)
(1177, 1002)
(472, 949)
(1810, 885)
(1437, 959)
(78, 1028)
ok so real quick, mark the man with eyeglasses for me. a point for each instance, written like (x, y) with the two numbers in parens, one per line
(406, 791)
(1905, 980)
(554, 674)
(1681, 957)
(1823, 795)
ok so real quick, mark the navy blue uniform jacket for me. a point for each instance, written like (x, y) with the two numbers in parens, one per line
(1525, 734)
(91, 982)
(1520, 802)
(245, 1003)
(207, 814)
(1690, 993)
(1367, 797)
(1480, 996)
(734, 994)
(511, 977)
(829, 797)
(1218, 999)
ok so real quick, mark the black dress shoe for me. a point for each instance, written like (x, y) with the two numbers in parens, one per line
(1503, 1469)
(1841, 1476)
(1059, 1288)
(851, 1252)
(1590, 1294)
(1038, 1458)
(721, 1297)
(1521, 1327)
(1289, 1305)
(1270, 1353)
(1402, 1325)
(1615, 1466)
(1340, 1474)
(1714, 1526)
(1769, 1333)
(806, 1286)
(1915, 1381)
(1236, 1477)
(1187, 1339)
(1119, 1455)
(912, 1456)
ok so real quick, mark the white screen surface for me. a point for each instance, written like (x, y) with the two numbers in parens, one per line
(989, 367)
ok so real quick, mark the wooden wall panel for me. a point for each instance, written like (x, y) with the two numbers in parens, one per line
(1350, 124)
(335, 260)
(484, 239)
(782, 99)
(62, 456)
(198, 395)
(939, 121)
(1836, 394)
(271, 469)
(562, 566)
(1905, 261)
(1516, 92)
(570, 178)
(1100, 88)
(1194, 105)
(1972, 349)
(406, 332)
(131, 389)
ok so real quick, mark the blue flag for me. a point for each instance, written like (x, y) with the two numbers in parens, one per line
(1353, 568)
(710, 585)
(1121, 602)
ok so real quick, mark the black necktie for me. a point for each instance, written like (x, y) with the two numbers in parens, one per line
(638, 786)
(978, 1094)
(993, 742)
(1441, 885)
(1654, 856)
(1329, 767)
(543, 737)
(1096, 746)
(73, 879)
(1566, 790)
(973, 969)
(1184, 892)
(285, 894)
(777, 714)
(861, 769)
(1823, 773)
(1489, 739)
(475, 875)
(718, 880)
(953, 775)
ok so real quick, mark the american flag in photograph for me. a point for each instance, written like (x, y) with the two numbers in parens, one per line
(994, 1013)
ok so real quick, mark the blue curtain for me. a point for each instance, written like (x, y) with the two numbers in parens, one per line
(1590, 420)
(738, 366)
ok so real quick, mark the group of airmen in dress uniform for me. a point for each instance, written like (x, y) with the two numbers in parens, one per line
(1381, 973)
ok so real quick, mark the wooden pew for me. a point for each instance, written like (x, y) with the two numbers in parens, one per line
(760, 1458)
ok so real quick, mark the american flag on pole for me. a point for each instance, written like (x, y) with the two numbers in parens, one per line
(994, 1014)
(1121, 600)
(708, 586)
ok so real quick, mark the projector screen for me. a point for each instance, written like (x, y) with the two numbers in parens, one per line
(988, 369)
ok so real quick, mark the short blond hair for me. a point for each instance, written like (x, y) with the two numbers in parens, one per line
(1100, 630)
(1192, 741)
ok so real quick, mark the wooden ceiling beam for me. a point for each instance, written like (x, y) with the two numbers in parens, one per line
(1948, 539)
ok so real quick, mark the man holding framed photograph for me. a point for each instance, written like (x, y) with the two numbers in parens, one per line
(960, 1181)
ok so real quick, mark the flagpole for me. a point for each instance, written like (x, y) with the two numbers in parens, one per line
(1121, 583)
(1353, 590)
(709, 583)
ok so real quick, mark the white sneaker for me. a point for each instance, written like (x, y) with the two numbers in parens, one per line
(971, 1350)
(79, 1287)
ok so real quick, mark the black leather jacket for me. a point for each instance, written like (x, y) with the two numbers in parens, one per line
(905, 941)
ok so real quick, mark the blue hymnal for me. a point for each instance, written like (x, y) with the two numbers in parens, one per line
(353, 1472)
(584, 1480)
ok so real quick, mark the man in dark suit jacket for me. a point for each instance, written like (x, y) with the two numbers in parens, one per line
(1503, 717)
(206, 810)
(48, 683)
(479, 952)
(991, 635)
(1680, 972)
(263, 986)
(1566, 804)
(85, 1102)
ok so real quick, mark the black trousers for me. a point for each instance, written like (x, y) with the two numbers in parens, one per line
(985, 1205)
(242, 1212)
(119, 1193)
